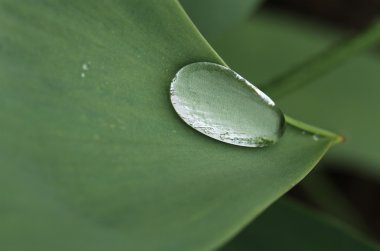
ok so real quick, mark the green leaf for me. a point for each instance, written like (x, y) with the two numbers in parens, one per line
(92, 154)
(344, 100)
(213, 17)
(294, 228)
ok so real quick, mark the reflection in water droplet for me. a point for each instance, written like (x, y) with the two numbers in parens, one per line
(221, 104)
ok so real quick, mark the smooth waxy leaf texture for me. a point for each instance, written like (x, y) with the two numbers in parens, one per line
(93, 155)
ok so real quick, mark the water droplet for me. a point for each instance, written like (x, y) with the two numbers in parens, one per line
(83, 75)
(315, 137)
(221, 104)
(85, 67)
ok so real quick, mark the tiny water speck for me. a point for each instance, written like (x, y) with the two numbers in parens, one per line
(315, 137)
(221, 104)
(83, 75)
(85, 67)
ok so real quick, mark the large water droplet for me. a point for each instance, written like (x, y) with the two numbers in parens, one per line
(219, 103)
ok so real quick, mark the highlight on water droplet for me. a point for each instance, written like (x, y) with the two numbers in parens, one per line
(221, 104)
(85, 67)
(315, 137)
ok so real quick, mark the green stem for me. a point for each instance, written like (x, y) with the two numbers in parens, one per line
(335, 138)
(323, 62)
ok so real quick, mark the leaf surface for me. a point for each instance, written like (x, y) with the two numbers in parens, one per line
(93, 155)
